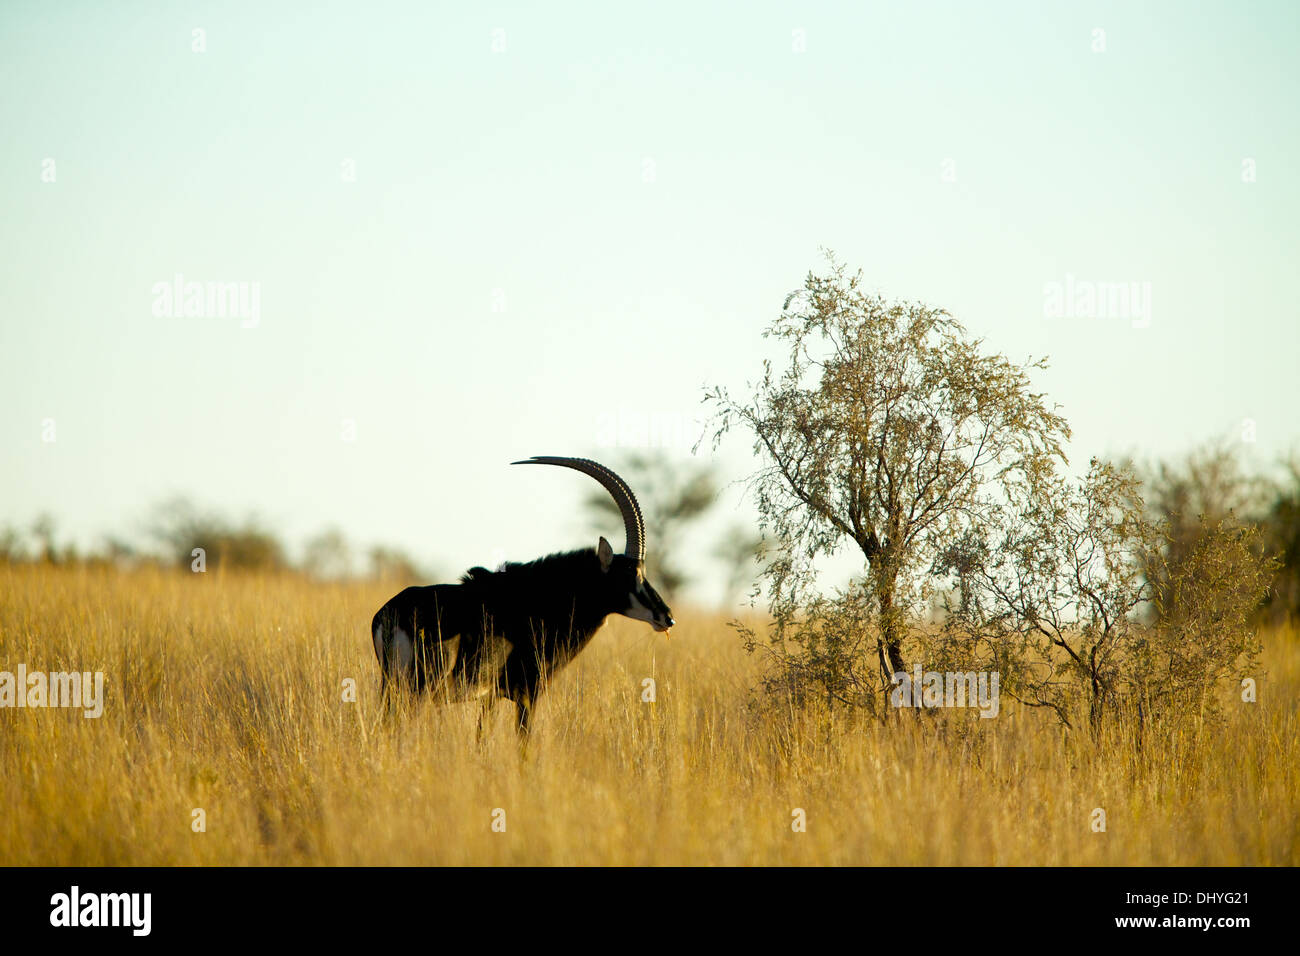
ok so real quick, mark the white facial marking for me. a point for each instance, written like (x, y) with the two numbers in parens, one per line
(637, 610)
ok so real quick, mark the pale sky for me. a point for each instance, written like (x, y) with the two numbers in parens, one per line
(482, 232)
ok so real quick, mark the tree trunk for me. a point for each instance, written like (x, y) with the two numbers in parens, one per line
(891, 631)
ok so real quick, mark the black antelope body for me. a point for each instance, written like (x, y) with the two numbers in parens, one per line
(503, 633)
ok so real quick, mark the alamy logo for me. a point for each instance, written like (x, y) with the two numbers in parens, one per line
(102, 909)
(950, 689)
(628, 428)
(83, 691)
(1085, 299)
(179, 299)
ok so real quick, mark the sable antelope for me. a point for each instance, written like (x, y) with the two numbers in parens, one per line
(503, 633)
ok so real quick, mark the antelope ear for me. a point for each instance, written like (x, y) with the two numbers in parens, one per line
(605, 553)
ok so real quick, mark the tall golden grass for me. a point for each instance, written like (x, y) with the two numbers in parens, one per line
(226, 693)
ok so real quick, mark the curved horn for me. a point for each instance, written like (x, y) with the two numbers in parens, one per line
(618, 489)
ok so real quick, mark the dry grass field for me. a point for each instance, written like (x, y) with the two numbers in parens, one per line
(226, 693)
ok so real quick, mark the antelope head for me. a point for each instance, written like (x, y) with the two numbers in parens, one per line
(623, 580)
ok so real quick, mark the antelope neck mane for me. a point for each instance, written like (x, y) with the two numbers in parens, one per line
(554, 568)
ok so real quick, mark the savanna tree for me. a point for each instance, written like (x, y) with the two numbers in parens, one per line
(887, 429)
(1054, 582)
(1074, 594)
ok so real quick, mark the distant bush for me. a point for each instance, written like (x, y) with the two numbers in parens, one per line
(1209, 490)
(393, 564)
(328, 555)
(1280, 524)
(179, 528)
